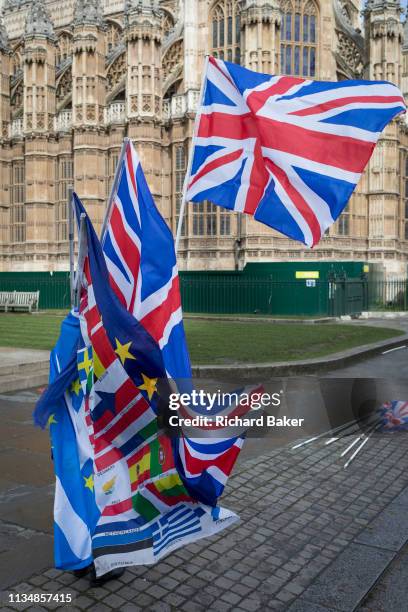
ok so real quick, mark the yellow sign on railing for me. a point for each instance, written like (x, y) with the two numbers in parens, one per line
(306, 275)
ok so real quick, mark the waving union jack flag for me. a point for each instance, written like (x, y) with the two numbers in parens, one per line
(286, 150)
(139, 252)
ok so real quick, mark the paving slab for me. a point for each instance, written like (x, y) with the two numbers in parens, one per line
(32, 509)
(301, 605)
(345, 583)
(389, 530)
(390, 593)
(27, 554)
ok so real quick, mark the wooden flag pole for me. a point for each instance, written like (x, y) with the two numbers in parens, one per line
(190, 155)
(116, 179)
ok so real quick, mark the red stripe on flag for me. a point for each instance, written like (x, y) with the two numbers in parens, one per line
(114, 509)
(214, 62)
(117, 291)
(169, 500)
(100, 444)
(102, 346)
(108, 459)
(167, 448)
(340, 151)
(298, 200)
(326, 106)
(257, 99)
(258, 181)
(216, 163)
(228, 126)
(123, 396)
(155, 322)
(121, 425)
(129, 251)
(92, 317)
(224, 462)
(138, 456)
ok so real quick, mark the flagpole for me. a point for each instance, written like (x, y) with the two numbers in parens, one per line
(81, 259)
(190, 155)
(116, 179)
(70, 213)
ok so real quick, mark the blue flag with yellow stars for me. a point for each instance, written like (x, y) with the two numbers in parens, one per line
(75, 510)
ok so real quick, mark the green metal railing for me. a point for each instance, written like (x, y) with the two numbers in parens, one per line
(54, 288)
(239, 293)
(226, 294)
(388, 295)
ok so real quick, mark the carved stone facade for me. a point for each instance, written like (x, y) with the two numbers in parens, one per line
(77, 76)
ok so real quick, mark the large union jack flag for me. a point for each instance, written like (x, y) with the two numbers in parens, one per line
(286, 150)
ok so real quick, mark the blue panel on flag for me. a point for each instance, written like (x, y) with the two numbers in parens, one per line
(244, 78)
(213, 95)
(272, 212)
(227, 192)
(201, 154)
(113, 256)
(124, 197)
(318, 87)
(370, 119)
(341, 190)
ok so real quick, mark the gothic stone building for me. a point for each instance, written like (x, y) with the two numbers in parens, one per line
(76, 76)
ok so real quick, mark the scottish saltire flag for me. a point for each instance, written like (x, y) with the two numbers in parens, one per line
(146, 509)
(286, 150)
(75, 510)
(139, 251)
(140, 256)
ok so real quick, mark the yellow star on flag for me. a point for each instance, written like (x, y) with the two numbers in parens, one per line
(76, 386)
(51, 420)
(89, 482)
(149, 385)
(123, 351)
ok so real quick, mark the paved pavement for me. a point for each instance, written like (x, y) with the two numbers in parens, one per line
(389, 594)
(312, 537)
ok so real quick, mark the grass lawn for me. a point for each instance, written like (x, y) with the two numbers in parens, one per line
(219, 342)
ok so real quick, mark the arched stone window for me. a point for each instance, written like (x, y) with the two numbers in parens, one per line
(64, 89)
(173, 60)
(16, 100)
(225, 31)
(113, 36)
(64, 48)
(167, 23)
(16, 63)
(299, 38)
(116, 72)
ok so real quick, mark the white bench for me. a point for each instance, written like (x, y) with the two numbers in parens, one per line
(5, 298)
(19, 300)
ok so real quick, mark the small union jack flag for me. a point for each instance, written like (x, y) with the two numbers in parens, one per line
(139, 251)
(286, 150)
(395, 416)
